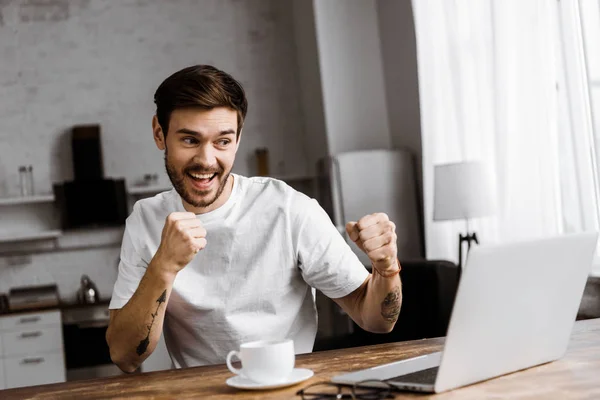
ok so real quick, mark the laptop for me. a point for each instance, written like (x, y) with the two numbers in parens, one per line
(515, 308)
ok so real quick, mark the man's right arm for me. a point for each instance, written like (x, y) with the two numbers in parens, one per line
(134, 330)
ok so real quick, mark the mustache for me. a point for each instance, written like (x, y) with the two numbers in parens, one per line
(198, 169)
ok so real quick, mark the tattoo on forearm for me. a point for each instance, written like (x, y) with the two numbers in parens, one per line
(390, 307)
(143, 346)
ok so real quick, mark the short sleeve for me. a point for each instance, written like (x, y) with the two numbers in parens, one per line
(326, 260)
(131, 266)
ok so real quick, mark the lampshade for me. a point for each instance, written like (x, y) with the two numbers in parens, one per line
(462, 191)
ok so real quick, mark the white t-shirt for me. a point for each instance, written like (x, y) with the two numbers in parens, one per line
(266, 247)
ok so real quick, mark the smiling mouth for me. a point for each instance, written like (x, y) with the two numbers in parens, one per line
(202, 178)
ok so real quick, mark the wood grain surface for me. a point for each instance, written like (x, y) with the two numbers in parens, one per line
(575, 376)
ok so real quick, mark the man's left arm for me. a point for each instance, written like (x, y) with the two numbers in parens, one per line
(375, 305)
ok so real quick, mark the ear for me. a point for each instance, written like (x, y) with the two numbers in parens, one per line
(159, 137)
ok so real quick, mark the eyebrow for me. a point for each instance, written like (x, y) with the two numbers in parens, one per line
(195, 133)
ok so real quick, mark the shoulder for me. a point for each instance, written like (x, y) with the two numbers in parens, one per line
(262, 182)
(265, 187)
(275, 193)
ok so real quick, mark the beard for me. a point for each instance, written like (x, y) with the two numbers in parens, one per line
(196, 198)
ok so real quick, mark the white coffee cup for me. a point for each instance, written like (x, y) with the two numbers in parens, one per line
(264, 361)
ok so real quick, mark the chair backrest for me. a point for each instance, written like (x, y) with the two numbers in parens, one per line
(370, 181)
(428, 293)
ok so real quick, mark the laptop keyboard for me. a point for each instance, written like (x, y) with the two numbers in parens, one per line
(425, 376)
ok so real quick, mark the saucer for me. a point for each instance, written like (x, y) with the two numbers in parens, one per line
(298, 375)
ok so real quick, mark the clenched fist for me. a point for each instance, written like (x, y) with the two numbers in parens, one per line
(375, 234)
(182, 237)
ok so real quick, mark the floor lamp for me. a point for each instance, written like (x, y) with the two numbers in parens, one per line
(462, 191)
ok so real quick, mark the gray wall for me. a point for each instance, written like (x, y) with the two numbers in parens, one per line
(68, 62)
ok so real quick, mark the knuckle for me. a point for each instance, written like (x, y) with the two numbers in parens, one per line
(363, 236)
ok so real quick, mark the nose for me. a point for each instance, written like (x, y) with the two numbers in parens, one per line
(205, 156)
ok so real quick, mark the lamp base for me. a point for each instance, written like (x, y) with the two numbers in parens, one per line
(469, 237)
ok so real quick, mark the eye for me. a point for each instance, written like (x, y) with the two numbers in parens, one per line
(223, 142)
(189, 140)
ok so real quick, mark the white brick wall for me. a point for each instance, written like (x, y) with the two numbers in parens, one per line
(68, 62)
(100, 61)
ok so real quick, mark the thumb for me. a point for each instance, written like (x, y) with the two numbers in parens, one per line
(352, 230)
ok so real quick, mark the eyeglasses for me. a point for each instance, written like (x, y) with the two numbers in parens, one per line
(364, 390)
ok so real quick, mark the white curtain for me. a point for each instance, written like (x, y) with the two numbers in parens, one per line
(492, 83)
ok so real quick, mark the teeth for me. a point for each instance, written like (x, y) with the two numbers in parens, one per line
(202, 176)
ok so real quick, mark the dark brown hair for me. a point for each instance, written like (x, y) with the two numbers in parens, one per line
(202, 86)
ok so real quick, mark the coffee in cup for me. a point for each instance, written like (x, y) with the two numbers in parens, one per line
(264, 361)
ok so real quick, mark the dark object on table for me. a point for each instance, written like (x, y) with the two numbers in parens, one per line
(3, 303)
(87, 153)
(262, 161)
(88, 292)
(91, 203)
(90, 200)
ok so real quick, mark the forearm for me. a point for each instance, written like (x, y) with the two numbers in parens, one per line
(381, 303)
(135, 330)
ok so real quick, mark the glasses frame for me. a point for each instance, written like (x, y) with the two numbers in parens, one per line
(379, 393)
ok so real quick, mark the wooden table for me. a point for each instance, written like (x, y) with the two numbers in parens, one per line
(577, 375)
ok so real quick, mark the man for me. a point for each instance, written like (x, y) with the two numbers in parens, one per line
(223, 259)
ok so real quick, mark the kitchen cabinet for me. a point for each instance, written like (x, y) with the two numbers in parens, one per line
(24, 321)
(31, 349)
(36, 370)
(31, 341)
